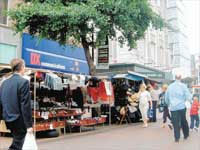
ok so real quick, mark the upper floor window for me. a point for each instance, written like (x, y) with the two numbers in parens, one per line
(3, 7)
(158, 2)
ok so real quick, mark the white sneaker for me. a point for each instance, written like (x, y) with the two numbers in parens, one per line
(191, 130)
(145, 126)
(196, 129)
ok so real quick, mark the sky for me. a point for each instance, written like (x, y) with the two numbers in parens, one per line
(192, 13)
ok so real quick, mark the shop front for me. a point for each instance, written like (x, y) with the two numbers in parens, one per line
(152, 74)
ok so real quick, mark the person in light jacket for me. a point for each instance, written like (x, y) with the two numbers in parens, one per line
(176, 96)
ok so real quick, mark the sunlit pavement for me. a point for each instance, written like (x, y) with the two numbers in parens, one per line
(129, 138)
(132, 137)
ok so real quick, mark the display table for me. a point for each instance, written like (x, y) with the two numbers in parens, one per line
(55, 114)
(87, 122)
(53, 119)
(58, 125)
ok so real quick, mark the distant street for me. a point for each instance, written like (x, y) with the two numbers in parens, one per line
(132, 137)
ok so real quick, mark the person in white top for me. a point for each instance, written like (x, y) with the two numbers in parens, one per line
(144, 101)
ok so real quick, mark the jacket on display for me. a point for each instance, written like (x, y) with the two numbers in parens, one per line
(54, 82)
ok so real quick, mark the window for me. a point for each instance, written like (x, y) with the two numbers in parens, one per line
(158, 2)
(3, 7)
(177, 60)
(171, 3)
(7, 53)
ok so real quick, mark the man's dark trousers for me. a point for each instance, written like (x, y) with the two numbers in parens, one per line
(18, 131)
(154, 118)
(179, 122)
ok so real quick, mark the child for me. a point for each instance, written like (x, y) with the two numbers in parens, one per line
(194, 116)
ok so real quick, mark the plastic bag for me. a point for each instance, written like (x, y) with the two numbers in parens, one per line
(161, 108)
(187, 104)
(150, 113)
(29, 142)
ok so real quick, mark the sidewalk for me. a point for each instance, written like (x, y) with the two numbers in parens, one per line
(132, 137)
(5, 141)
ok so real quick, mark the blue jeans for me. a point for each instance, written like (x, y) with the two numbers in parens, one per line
(154, 118)
(194, 120)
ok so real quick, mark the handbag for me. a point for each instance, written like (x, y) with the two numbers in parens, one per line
(150, 113)
(29, 142)
(161, 108)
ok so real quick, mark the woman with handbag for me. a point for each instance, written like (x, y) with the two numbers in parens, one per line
(144, 100)
(163, 107)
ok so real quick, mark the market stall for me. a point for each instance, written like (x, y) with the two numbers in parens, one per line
(126, 87)
(101, 93)
(57, 76)
(68, 69)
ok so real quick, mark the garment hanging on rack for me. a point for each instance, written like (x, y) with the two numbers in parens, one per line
(54, 82)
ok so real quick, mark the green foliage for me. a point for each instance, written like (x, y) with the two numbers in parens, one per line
(61, 20)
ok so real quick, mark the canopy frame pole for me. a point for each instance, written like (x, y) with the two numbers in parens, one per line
(109, 112)
(35, 94)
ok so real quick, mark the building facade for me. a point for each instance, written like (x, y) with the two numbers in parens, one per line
(151, 51)
(178, 38)
(10, 44)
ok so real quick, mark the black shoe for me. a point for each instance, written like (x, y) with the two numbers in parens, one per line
(185, 138)
(170, 126)
(176, 140)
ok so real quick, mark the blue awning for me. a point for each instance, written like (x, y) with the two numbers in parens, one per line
(134, 77)
(130, 76)
(50, 55)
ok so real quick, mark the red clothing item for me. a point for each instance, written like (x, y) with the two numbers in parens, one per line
(195, 108)
(93, 93)
(103, 97)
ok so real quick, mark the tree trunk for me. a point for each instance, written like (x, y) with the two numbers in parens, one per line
(89, 57)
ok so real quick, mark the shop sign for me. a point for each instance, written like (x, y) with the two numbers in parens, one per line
(46, 54)
(154, 75)
(108, 87)
(103, 57)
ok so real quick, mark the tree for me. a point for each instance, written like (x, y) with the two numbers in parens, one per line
(78, 20)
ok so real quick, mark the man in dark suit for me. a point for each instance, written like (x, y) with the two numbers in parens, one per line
(16, 104)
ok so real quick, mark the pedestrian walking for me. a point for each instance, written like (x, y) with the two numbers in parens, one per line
(155, 92)
(16, 104)
(163, 106)
(176, 96)
(194, 115)
(144, 101)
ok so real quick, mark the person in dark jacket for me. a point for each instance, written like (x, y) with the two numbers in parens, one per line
(16, 104)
